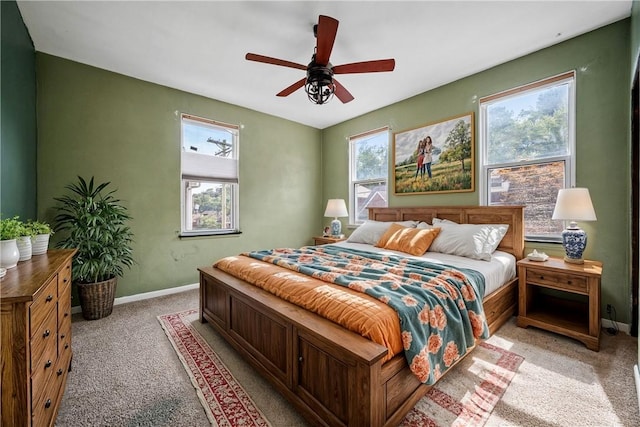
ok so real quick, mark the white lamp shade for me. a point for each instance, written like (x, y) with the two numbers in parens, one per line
(336, 208)
(574, 204)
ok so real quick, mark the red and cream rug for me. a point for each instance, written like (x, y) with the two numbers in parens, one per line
(464, 397)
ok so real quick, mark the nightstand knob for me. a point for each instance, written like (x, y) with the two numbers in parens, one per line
(569, 282)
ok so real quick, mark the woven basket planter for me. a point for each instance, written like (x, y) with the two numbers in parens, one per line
(96, 299)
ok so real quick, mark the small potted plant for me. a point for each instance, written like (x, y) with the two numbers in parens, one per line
(95, 223)
(24, 243)
(10, 230)
(40, 233)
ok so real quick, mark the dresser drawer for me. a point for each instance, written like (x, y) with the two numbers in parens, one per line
(46, 299)
(64, 280)
(44, 403)
(44, 341)
(557, 280)
(64, 337)
(64, 303)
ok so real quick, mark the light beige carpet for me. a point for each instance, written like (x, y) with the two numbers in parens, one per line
(126, 373)
(464, 397)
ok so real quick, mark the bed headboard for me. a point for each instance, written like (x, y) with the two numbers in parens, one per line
(513, 241)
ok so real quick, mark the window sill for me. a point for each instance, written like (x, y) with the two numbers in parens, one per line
(209, 234)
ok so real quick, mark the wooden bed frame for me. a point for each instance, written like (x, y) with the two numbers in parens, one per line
(332, 376)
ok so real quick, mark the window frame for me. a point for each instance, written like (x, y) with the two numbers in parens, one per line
(569, 159)
(210, 178)
(353, 140)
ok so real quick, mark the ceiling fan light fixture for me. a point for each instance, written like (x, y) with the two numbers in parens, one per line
(319, 86)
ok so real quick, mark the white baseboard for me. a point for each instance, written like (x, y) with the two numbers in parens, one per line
(636, 375)
(145, 295)
(622, 327)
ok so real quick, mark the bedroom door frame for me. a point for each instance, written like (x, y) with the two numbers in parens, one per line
(635, 198)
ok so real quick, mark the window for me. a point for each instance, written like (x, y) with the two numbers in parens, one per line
(209, 177)
(527, 149)
(368, 172)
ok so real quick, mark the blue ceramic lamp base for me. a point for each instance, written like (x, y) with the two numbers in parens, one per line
(574, 241)
(336, 227)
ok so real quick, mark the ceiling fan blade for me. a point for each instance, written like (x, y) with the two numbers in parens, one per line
(326, 35)
(294, 87)
(274, 61)
(342, 93)
(366, 67)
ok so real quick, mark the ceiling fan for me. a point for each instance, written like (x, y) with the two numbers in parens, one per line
(319, 83)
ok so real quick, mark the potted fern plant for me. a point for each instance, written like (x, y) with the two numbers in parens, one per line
(92, 220)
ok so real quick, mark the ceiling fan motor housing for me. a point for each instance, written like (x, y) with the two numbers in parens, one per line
(319, 86)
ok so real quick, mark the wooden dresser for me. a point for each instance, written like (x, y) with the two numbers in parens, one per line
(35, 323)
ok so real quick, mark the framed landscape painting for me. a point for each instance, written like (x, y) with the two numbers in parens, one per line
(435, 158)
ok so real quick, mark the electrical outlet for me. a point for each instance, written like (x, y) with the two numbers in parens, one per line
(608, 308)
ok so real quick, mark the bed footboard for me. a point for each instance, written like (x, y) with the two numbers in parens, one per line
(331, 375)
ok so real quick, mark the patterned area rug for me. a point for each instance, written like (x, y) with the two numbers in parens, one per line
(223, 398)
(464, 397)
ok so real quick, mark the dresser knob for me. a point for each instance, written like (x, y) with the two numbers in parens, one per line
(49, 298)
(66, 314)
(60, 371)
(66, 346)
(300, 359)
(48, 364)
(47, 404)
(46, 333)
(62, 336)
(569, 282)
(65, 280)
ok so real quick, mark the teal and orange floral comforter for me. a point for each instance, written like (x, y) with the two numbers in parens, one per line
(439, 306)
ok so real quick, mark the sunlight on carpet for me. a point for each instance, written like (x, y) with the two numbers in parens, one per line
(464, 397)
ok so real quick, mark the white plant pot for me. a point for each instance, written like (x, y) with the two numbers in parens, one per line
(9, 253)
(24, 247)
(39, 244)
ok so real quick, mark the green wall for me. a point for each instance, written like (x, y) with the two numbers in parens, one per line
(601, 61)
(18, 116)
(127, 131)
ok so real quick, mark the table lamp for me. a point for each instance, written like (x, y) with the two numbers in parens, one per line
(574, 204)
(336, 208)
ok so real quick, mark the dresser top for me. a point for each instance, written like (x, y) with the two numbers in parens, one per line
(22, 282)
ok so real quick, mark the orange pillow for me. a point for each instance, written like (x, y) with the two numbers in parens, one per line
(414, 241)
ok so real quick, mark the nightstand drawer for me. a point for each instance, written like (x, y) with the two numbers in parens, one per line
(557, 280)
(327, 240)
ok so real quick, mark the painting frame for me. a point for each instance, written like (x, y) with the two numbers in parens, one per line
(447, 165)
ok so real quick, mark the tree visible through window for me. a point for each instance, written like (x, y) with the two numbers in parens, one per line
(368, 154)
(527, 150)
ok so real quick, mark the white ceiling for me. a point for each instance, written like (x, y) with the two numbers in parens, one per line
(199, 47)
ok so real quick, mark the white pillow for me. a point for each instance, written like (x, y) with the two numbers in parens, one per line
(477, 241)
(371, 231)
(423, 224)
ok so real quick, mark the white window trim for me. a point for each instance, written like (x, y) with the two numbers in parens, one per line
(229, 167)
(352, 167)
(570, 176)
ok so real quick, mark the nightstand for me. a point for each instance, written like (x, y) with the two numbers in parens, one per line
(561, 297)
(326, 240)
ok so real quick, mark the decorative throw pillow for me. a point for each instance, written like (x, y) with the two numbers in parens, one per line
(414, 241)
(370, 231)
(477, 241)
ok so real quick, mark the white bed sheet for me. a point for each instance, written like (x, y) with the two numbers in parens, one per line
(496, 272)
